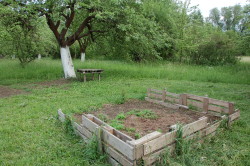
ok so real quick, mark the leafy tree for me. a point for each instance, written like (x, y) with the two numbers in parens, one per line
(21, 27)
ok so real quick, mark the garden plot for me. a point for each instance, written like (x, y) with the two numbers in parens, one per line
(141, 130)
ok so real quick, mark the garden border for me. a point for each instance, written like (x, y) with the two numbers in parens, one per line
(122, 149)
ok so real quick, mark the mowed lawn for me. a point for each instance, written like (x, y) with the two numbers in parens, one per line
(30, 133)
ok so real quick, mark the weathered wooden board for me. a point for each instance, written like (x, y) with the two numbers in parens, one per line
(217, 109)
(83, 130)
(195, 126)
(119, 145)
(61, 115)
(117, 156)
(194, 97)
(90, 125)
(218, 102)
(151, 158)
(159, 142)
(212, 128)
(234, 115)
(122, 136)
(157, 96)
(85, 139)
(138, 144)
(162, 103)
(173, 94)
(113, 162)
(117, 133)
(171, 99)
(195, 103)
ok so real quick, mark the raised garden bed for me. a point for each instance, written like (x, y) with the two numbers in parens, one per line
(141, 130)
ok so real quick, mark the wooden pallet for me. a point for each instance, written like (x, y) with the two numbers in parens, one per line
(124, 150)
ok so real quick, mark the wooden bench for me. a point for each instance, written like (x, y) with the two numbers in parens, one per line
(91, 71)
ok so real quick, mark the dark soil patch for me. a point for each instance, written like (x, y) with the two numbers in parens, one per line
(166, 117)
(6, 91)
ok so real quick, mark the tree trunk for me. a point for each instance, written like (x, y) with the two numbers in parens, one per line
(82, 56)
(68, 67)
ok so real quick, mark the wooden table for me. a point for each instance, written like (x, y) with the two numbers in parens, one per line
(91, 71)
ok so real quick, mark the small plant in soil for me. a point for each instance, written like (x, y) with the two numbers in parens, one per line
(137, 135)
(103, 117)
(148, 114)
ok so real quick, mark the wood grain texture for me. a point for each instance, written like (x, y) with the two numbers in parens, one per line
(119, 145)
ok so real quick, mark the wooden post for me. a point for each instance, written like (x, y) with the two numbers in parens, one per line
(84, 77)
(164, 93)
(183, 99)
(231, 108)
(99, 139)
(99, 76)
(205, 104)
(93, 76)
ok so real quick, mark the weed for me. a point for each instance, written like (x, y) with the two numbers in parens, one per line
(148, 114)
(137, 135)
(121, 116)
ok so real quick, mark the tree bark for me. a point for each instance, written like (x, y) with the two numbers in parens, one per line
(68, 67)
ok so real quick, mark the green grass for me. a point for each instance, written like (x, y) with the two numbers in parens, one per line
(30, 133)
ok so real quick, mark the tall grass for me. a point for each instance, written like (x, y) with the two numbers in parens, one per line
(47, 69)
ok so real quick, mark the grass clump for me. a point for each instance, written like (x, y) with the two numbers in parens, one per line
(147, 114)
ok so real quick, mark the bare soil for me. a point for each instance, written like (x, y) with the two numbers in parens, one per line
(6, 91)
(166, 117)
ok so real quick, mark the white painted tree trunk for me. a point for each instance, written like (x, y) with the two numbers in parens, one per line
(39, 56)
(68, 67)
(82, 56)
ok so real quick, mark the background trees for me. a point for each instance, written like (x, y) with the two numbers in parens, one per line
(123, 29)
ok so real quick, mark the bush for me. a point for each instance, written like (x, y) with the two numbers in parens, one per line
(219, 49)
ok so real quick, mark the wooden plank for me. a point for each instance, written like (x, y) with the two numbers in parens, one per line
(218, 102)
(194, 97)
(195, 103)
(117, 133)
(117, 156)
(83, 130)
(61, 115)
(174, 100)
(150, 159)
(157, 96)
(212, 128)
(85, 139)
(122, 136)
(119, 145)
(113, 162)
(156, 91)
(195, 126)
(217, 109)
(88, 124)
(173, 94)
(138, 144)
(173, 106)
(234, 116)
(159, 142)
